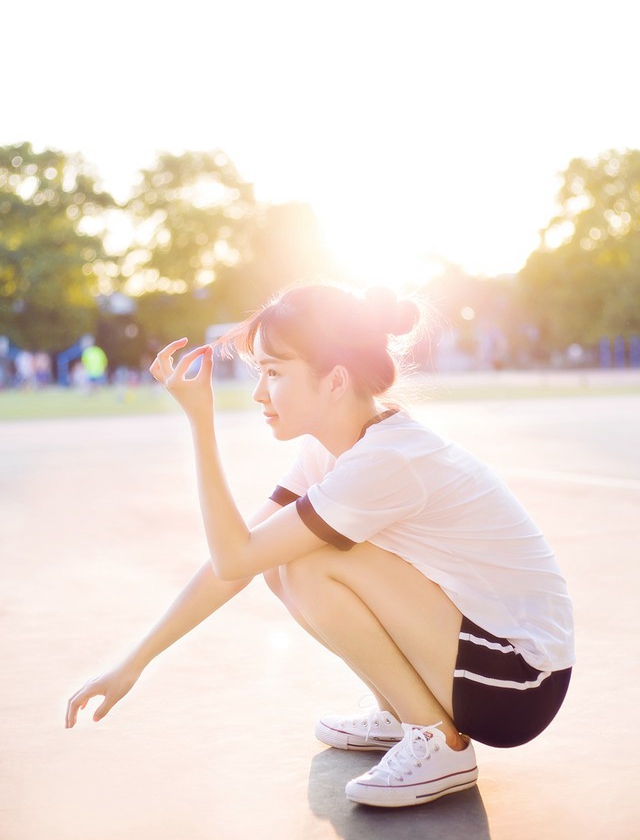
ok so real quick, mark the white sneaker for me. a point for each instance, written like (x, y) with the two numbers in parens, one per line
(420, 768)
(374, 731)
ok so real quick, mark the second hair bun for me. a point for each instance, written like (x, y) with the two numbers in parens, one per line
(390, 315)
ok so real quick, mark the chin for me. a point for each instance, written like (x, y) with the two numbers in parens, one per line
(285, 434)
(282, 435)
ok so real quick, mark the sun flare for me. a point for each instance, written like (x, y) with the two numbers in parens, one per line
(369, 257)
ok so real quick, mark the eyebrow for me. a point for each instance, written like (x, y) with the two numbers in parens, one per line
(269, 360)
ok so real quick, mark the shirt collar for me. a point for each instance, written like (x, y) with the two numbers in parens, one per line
(378, 418)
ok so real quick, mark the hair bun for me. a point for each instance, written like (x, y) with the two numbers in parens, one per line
(388, 314)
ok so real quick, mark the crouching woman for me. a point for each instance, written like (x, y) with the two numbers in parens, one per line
(396, 549)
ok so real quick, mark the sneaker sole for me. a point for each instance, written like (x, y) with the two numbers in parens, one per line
(344, 741)
(401, 797)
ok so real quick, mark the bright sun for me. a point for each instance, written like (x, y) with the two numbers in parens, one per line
(401, 255)
(371, 257)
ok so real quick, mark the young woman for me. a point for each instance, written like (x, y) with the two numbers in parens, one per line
(396, 549)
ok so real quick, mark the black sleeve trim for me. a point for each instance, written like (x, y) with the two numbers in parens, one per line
(284, 497)
(319, 527)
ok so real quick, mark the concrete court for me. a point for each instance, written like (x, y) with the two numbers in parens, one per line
(99, 527)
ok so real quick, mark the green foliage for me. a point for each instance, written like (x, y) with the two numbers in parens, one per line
(48, 203)
(284, 245)
(202, 251)
(163, 317)
(583, 282)
(191, 214)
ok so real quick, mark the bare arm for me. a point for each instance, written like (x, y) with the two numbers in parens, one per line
(202, 596)
(237, 550)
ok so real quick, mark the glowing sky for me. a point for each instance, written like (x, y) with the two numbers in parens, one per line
(413, 128)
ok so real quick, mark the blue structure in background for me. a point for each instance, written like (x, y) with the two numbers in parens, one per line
(617, 356)
(70, 355)
(8, 353)
(618, 351)
(634, 351)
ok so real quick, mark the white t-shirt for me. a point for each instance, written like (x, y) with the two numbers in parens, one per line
(427, 500)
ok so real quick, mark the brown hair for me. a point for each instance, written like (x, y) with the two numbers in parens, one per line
(327, 325)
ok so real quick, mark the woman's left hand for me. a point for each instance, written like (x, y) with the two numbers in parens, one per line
(194, 395)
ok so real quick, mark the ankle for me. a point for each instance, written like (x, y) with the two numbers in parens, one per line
(456, 741)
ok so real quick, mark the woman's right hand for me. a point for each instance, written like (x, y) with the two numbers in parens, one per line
(113, 686)
(195, 394)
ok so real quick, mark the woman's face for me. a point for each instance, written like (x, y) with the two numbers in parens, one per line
(294, 400)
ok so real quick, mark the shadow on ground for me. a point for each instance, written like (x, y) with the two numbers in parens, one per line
(451, 818)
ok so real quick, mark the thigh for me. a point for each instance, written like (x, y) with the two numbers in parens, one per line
(415, 612)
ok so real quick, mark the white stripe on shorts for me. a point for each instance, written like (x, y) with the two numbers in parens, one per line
(476, 640)
(521, 686)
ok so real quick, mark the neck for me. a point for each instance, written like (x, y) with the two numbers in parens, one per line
(344, 427)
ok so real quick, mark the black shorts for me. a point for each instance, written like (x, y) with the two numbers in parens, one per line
(498, 698)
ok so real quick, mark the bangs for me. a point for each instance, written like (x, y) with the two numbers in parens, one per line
(272, 343)
(276, 328)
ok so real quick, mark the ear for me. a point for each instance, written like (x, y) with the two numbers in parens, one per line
(339, 382)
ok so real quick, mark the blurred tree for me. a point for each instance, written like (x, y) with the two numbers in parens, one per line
(164, 317)
(281, 244)
(201, 251)
(50, 240)
(190, 213)
(284, 245)
(583, 281)
(122, 339)
(482, 314)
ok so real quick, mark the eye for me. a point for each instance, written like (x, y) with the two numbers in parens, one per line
(271, 373)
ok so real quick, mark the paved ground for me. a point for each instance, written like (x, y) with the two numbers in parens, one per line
(99, 528)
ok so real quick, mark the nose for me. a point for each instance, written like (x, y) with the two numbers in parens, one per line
(259, 392)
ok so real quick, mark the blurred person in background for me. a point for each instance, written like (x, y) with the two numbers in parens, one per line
(25, 369)
(94, 361)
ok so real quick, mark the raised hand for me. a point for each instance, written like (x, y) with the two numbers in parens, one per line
(195, 395)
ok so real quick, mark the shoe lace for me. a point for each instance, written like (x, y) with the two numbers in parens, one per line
(410, 753)
(374, 719)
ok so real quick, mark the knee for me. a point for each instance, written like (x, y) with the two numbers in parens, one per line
(304, 574)
(273, 579)
(298, 575)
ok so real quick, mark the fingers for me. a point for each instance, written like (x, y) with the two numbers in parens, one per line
(79, 701)
(94, 688)
(207, 362)
(206, 351)
(171, 348)
(162, 366)
(103, 709)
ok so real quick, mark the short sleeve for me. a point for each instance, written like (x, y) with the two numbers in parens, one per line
(319, 527)
(283, 497)
(366, 493)
(310, 467)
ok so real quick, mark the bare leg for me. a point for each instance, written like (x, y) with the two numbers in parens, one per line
(274, 582)
(395, 628)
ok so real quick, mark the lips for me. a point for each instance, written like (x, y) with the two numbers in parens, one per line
(269, 418)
